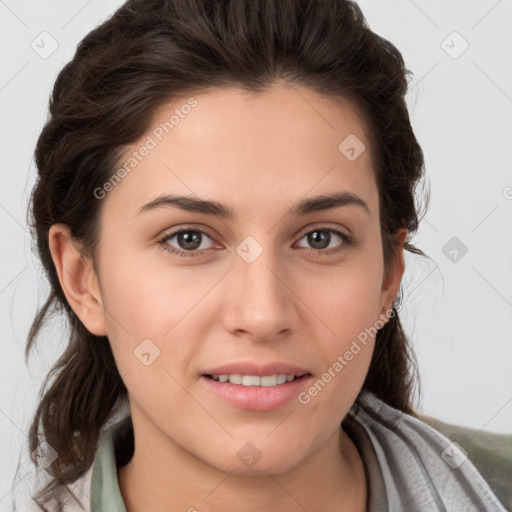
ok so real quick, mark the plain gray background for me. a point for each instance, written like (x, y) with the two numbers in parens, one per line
(457, 312)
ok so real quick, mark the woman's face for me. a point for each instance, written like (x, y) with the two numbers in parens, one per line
(267, 290)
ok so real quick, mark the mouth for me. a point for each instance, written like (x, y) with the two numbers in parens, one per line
(259, 388)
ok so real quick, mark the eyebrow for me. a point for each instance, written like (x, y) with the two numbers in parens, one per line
(301, 208)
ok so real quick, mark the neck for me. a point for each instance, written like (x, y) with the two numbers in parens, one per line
(163, 476)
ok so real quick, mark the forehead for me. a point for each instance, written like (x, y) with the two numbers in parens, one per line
(230, 143)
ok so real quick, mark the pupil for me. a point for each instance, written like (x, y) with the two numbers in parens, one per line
(191, 240)
(319, 237)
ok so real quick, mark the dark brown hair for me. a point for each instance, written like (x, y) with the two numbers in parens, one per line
(147, 53)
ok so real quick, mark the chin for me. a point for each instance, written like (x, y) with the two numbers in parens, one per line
(251, 462)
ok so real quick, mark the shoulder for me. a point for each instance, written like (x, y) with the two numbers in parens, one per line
(412, 465)
(490, 453)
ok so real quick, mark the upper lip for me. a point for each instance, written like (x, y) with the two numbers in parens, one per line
(261, 370)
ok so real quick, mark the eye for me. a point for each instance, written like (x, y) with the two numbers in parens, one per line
(320, 239)
(190, 242)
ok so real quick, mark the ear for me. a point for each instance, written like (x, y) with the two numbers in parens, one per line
(393, 277)
(77, 279)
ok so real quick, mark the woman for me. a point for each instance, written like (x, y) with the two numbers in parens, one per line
(225, 193)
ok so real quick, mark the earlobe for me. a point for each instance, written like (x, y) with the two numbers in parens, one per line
(77, 279)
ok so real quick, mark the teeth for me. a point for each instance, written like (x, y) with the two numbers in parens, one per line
(235, 379)
(281, 378)
(251, 380)
(269, 380)
(255, 380)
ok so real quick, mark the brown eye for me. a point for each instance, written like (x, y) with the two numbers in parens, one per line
(320, 239)
(188, 242)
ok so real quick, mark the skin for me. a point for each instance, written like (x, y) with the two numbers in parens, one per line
(258, 154)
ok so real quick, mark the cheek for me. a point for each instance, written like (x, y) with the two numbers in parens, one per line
(347, 305)
(346, 300)
(149, 301)
(155, 311)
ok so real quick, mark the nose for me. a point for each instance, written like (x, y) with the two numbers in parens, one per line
(260, 303)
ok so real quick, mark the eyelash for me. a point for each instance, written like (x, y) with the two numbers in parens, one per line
(346, 241)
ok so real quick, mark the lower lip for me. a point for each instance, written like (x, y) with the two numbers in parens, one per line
(257, 398)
